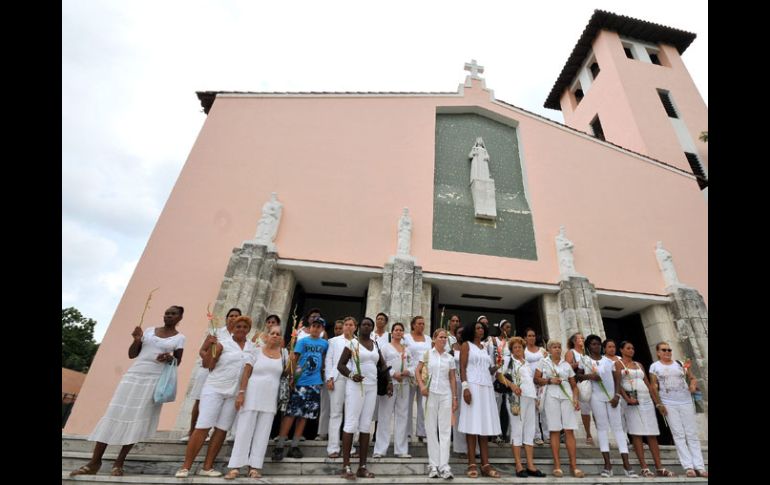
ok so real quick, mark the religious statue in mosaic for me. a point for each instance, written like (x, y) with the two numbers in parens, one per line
(404, 234)
(267, 227)
(479, 161)
(564, 249)
(666, 264)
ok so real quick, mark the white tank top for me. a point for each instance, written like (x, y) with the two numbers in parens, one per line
(533, 358)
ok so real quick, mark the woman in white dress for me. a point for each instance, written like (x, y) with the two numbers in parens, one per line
(201, 373)
(440, 392)
(605, 399)
(256, 404)
(522, 400)
(638, 398)
(360, 396)
(560, 403)
(417, 343)
(398, 359)
(336, 383)
(576, 351)
(478, 417)
(132, 415)
(533, 354)
(217, 408)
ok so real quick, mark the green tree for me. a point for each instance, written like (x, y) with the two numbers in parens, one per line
(704, 136)
(77, 340)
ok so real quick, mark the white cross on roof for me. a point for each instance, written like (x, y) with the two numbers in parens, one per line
(474, 68)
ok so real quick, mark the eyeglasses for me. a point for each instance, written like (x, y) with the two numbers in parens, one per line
(665, 350)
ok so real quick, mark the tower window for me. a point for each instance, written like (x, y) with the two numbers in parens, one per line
(668, 105)
(654, 58)
(697, 170)
(594, 69)
(596, 126)
(628, 52)
(578, 94)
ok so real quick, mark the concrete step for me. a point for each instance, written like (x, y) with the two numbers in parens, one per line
(174, 447)
(324, 480)
(139, 464)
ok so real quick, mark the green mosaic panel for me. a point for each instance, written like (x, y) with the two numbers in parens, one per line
(455, 228)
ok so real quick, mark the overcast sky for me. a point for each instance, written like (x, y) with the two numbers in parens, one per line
(130, 70)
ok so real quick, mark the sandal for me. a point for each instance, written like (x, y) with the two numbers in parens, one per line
(355, 454)
(578, 473)
(363, 472)
(488, 471)
(232, 474)
(84, 470)
(589, 440)
(702, 473)
(646, 472)
(472, 472)
(254, 473)
(347, 473)
(558, 473)
(662, 472)
(690, 473)
(117, 471)
(334, 455)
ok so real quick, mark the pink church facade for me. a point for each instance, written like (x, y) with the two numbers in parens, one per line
(344, 165)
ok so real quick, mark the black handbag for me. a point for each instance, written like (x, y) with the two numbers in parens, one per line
(498, 386)
(284, 388)
(383, 376)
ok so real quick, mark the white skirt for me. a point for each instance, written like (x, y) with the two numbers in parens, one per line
(132, 415)
(199, 379)
(641, 419)
(481, 417)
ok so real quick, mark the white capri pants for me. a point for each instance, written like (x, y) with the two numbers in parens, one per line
(522, 427)
(359, 410)
(681, 421)
(323, 417)
(397, 403)
(438, 428)
(560, 413)
(607, 417)
(414, 394)
(336, 405)
(216, 410)
(251, 441)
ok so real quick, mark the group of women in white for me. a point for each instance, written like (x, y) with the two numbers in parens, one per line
(449, 376)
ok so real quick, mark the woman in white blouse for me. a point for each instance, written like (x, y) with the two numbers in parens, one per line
(256, 404)
(560, 403)
(440, 392)
(336, 383)
(217, 407)
(394, 407)
(417, 343)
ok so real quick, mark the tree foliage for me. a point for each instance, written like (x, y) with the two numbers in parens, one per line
(77, 340)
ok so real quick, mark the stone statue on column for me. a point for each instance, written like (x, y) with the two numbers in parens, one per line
(564, 249)
(404, 235)
(482, 185)
(666, 265)
(267, 227)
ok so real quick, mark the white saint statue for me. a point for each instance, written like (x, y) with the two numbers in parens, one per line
(404, 234)
(666, 264)
(267, 228)
(479, 161)
(564, 249)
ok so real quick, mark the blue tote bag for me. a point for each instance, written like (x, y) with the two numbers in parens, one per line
(165, 390)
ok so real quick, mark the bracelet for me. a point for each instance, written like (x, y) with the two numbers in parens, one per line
(617, 395)
(659, 405)
(464, 385)
(241, 391)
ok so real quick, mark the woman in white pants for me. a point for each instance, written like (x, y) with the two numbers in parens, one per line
(675, 384)
(360, 366)
(638, 401)
(605, 400)
(522, 400)
(398, 359)
(575, 353)
(560, 403)
(440, 392)
(336, 383)
(256, 404)
(478, 418)
(533, 354)
(217, 407)
(417, 343)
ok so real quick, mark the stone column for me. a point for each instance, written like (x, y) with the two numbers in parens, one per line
(374, 298)
(549, 308)
(692, 326)
(401, 295)
(282, 287)
(579, 308)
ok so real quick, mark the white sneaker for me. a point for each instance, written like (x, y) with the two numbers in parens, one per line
(606, 473)
(377, 455)
(432, 472)
(184, 438)
(209, 473)
(182, 473)
(404, 455)
(446, 473)
(630, 473)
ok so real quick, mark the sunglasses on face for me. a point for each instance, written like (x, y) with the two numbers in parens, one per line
(665, 350)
